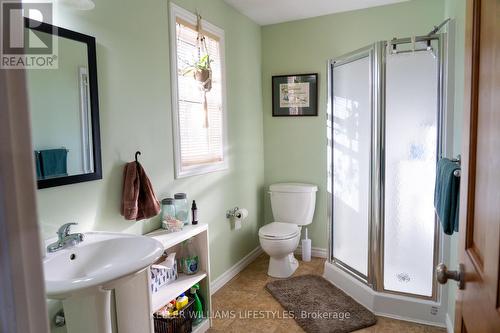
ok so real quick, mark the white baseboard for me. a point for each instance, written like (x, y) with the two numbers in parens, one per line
(449, 324)
(315, 252)
(234, 270)
(246, 260)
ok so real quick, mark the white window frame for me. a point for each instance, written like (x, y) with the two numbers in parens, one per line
(86, 120)
(178, 12)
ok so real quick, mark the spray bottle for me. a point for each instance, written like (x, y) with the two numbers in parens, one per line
(198, 307)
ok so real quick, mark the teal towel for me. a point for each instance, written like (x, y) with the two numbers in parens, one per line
(38, 165)
(446, 195)
(54, 163)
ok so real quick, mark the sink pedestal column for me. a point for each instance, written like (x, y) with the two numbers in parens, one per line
(88, 313)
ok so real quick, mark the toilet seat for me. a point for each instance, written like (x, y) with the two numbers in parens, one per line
(279, 231)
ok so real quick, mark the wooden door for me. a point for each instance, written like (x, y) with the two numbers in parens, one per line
(22, 291)
(478, 304)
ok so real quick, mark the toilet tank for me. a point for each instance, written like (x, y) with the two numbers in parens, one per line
(293, 202)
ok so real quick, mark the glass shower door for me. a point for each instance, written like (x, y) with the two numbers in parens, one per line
(351, 121)
(384, 127)
(411, 132)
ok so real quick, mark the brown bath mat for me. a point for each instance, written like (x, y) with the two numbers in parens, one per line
(320, 307)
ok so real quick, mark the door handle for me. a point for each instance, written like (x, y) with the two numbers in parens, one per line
(443, 275)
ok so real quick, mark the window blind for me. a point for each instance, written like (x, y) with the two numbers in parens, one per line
(200, 143)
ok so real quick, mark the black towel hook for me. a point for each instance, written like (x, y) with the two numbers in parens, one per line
(137, 153)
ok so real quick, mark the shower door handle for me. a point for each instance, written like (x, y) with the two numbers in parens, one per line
(443, 275)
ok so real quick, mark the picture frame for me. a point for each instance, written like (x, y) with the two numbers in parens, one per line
(295, 95)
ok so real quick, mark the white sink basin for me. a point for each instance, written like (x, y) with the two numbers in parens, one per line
(101, 258)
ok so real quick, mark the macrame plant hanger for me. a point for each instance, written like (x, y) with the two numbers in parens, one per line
(204, 77)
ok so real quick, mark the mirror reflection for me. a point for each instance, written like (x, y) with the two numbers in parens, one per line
(60, 114)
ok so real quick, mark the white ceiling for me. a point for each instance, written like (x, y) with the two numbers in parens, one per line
(276, 11)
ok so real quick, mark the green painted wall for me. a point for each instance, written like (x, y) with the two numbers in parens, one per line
(455, 9)
(295, 148)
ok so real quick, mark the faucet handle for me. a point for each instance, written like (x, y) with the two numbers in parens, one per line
(65, 228)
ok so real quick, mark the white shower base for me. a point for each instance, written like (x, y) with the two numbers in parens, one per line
(388, 305)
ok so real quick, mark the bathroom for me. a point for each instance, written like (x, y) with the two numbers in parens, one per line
(132, 93)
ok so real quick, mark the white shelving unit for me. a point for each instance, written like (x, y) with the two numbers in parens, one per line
(171, 242)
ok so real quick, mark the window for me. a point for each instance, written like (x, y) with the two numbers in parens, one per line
(198, 106)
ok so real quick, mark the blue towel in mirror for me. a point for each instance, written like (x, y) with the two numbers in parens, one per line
(447, 195)
(54, 163)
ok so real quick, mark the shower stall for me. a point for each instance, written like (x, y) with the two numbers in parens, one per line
(385, 134)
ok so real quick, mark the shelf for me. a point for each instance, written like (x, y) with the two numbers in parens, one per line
(202, 327)
(167, 293)
(173, 238)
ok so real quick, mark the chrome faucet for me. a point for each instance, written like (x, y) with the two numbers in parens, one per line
(64, 238)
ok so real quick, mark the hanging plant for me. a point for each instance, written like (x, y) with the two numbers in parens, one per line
(202, 72)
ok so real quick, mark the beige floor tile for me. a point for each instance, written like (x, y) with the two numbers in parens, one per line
(246, 296)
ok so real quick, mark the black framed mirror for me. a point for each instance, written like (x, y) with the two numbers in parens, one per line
(64, 109)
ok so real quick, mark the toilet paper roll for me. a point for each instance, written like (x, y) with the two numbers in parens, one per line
(241, 214)
(237, 224)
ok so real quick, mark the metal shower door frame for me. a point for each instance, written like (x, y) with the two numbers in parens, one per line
(370, 53)
(377, 54)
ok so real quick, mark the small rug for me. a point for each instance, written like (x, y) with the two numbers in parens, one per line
(318, 306)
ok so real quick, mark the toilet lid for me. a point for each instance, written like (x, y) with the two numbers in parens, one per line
(279, 230)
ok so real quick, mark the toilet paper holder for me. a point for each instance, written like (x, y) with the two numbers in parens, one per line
(233, 213)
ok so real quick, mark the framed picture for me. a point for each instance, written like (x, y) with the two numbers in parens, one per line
(295, 95)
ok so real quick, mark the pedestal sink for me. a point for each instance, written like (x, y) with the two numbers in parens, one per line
(82, 276)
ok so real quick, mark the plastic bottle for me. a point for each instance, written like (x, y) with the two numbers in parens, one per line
(181, 301)
(194, 213)
(198, 307)
(189, 259)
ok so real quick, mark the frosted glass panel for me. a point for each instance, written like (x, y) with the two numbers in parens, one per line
(351, 163)
(410, 162)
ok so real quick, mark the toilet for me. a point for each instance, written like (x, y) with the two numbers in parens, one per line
(293, 206)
